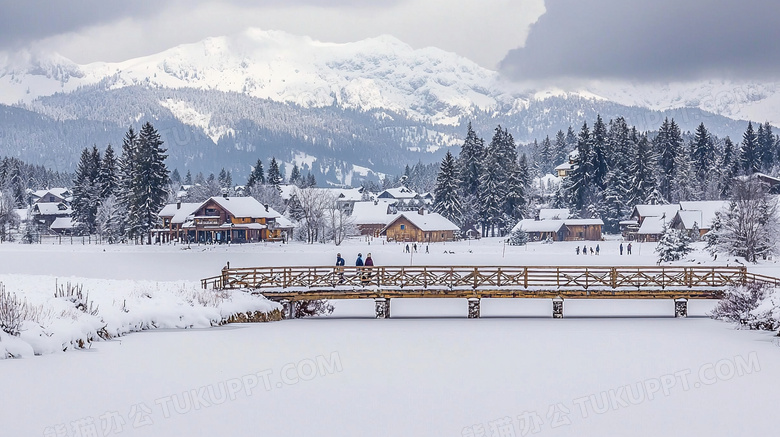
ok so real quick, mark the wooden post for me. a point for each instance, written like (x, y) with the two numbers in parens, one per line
(681, 308)
(382, 308)
(557, 308)
(613, 273)
(474, 304)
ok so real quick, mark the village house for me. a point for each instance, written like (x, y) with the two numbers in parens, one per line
(647, 222)
(45, 213)
(52, 195)
(562, 230)
(420, 227)
(371, 217)
(222, 219)
(565, 169)
(697, 216)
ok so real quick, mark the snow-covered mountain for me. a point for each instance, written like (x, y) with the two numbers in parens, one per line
(381, 72)
(374, 104)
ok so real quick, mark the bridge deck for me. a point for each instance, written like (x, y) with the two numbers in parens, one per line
(595, 282)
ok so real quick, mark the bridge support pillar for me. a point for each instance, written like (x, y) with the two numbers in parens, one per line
(382, 306)
(288, 308)
(681, 308)
(474, 307)
(557, 308)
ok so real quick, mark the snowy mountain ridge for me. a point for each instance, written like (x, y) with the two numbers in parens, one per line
(376, 73)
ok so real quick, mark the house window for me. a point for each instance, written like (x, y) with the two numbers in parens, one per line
(211, 211)
(403, 227)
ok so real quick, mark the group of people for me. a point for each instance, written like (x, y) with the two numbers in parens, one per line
(628, 249)
(365, 274)
(585, 250)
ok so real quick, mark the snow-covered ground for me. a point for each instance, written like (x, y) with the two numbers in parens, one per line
(427, 371)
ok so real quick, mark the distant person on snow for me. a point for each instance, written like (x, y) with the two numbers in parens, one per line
(359, 260)
(597, 249)
(629, 249)
(578, 250)
(621, 248)
(584, 249)
(407, 248)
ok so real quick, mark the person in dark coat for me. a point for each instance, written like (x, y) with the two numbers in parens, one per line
(359, 260)
(340, 267)
(366, 278)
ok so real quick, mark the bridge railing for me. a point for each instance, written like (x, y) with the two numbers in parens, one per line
(481, 277)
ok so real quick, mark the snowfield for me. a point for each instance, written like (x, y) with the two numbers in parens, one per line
(607, 368)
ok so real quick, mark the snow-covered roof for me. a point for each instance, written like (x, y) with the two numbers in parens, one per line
(565, 166)
(62, 193)
(428, 222)
(531, 225)
(51, 209)
(372, 213)
(688, 218)
(658, 210)
(708, 208)
(554, 214)
(62, 223)
(583, 222)
(398, 193)
(653, 225)
(244, 207)
(284, 222)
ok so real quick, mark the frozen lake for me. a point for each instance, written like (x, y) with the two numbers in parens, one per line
(608, 368)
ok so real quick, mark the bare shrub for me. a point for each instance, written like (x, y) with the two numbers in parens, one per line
(312, 308)
(738, 306)
(74, 293)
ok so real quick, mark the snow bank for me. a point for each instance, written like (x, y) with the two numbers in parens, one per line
(751, 306)
(111, 308)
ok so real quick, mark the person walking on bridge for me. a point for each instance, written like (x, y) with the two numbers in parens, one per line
(367, 272)
(359, 265)
(340, 267)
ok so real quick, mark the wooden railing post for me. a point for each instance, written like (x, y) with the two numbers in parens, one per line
(525, 278)
(613, 274)
(475, 277)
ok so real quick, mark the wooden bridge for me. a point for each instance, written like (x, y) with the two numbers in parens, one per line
(289, 285)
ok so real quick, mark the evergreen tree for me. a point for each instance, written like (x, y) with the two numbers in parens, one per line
(492, 192)
(560, 150)
(175, 176)
(766, 146)
(729, 167)
(109, 178)
(188, 178)
(446, 197)
(579, 185)
(703, 158)
(274, 176)
(518, 237)
(598, 155)
(148, 179)
(471, 154)
(571, 141)
(310, 181)
(295, 175)
(668, 144)
(546, 162)
(125, 197)
(257, 176)
(683, 188)
(673, 245)
(643, 183)
(86, 191)
(223, 179)
(749, 155)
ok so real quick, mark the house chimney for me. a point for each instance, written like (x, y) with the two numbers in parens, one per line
(266, 207)
(178, 204)
(421, 211)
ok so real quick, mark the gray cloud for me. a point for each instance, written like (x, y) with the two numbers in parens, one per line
(650, 40)
(28, 20)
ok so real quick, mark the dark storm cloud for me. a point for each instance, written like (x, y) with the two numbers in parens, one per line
(23, 21)
(650, 40)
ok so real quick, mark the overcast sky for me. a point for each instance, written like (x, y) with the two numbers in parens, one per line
(579, 39)
(651, 40)
(116, 30)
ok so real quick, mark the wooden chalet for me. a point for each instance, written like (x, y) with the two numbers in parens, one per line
(420, 227)
(647, 222)
(45, 213)
(371, 217)
(222, 220)
(562, 230)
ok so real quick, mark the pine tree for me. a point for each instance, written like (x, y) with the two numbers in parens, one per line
(729, 167)
(295, 175)
(257, 176)
(518, 237)
(310, 181)
(598, 155)
(86, 191)
(703, 158)
(109, 178)
(471, 154)
(223, 179)
(188, 178)
(446, 198)
(673, 245)
(749, 155)
(546, 157)
(274, 176)
(643, 182)
(492, 192)
(147, 180)
(560, 150)
(667, 144)
(683, 188)
(766, 142)
(579, 185)
(175, 176)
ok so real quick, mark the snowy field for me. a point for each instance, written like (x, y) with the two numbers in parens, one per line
(608, 368)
